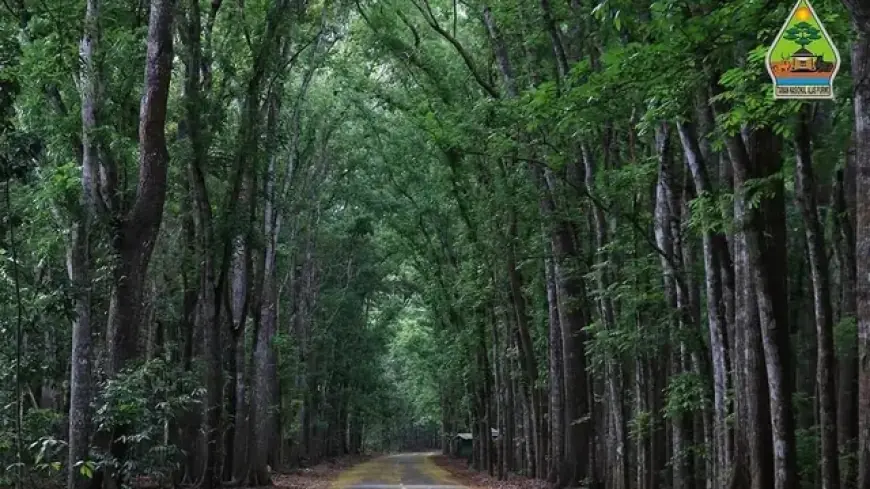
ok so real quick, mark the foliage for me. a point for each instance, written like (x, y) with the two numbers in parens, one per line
(413, 176)
(147, 401)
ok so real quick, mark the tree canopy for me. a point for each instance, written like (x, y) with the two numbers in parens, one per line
(240, 237)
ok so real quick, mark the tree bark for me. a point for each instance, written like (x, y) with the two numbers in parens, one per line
(805, 190)
(847, 363)
(570, 289)
(78, 260)
(135, 232)
(208, 304)
(556, 377)
(619, 475)
(139, 228)
(716, 258)
(500, 394)
(860, 10)
(527, 356)
(668, 238)
(767, 263)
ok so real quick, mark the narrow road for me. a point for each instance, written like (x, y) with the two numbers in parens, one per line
(401, 471)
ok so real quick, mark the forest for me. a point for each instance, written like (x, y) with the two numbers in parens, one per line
(245, 236)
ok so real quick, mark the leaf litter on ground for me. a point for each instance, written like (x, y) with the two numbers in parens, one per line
(319, 476)
(474, 479)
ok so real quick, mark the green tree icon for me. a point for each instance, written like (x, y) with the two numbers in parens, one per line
(803, 34)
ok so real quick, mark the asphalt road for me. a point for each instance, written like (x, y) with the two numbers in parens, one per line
(400, 471)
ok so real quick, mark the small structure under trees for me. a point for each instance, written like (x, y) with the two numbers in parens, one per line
(463, 444)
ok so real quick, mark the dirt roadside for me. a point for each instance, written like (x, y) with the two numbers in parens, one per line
(471, 478)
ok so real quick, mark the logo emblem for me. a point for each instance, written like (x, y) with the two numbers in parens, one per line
(803, 60)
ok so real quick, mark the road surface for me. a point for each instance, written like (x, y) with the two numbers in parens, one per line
(401, 471)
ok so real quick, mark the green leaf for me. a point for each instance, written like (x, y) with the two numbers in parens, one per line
(87, 469)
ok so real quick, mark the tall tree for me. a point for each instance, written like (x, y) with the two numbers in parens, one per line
(860, 11)
(820, 276)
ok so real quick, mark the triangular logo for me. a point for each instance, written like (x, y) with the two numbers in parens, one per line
(803, 60)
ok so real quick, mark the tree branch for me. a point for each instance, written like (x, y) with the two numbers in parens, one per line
(469, 62)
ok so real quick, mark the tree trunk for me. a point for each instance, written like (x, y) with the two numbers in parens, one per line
(263, 399)
(805, 190)
(208, 304)
(528, 363)
(860, 10)
(757, 400)
(571, 290)
(556, 377)
(567, 461)
(135, 233)
(767, 263)
(847, 363)
(527, 356)
(669, 241)
(78, 260)
(510, 402)
(499, 397)
(619, 474)
(139, 229)
(266, 359)
(716, 255)
(689, 463)
(241, 425)
(80, 360)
